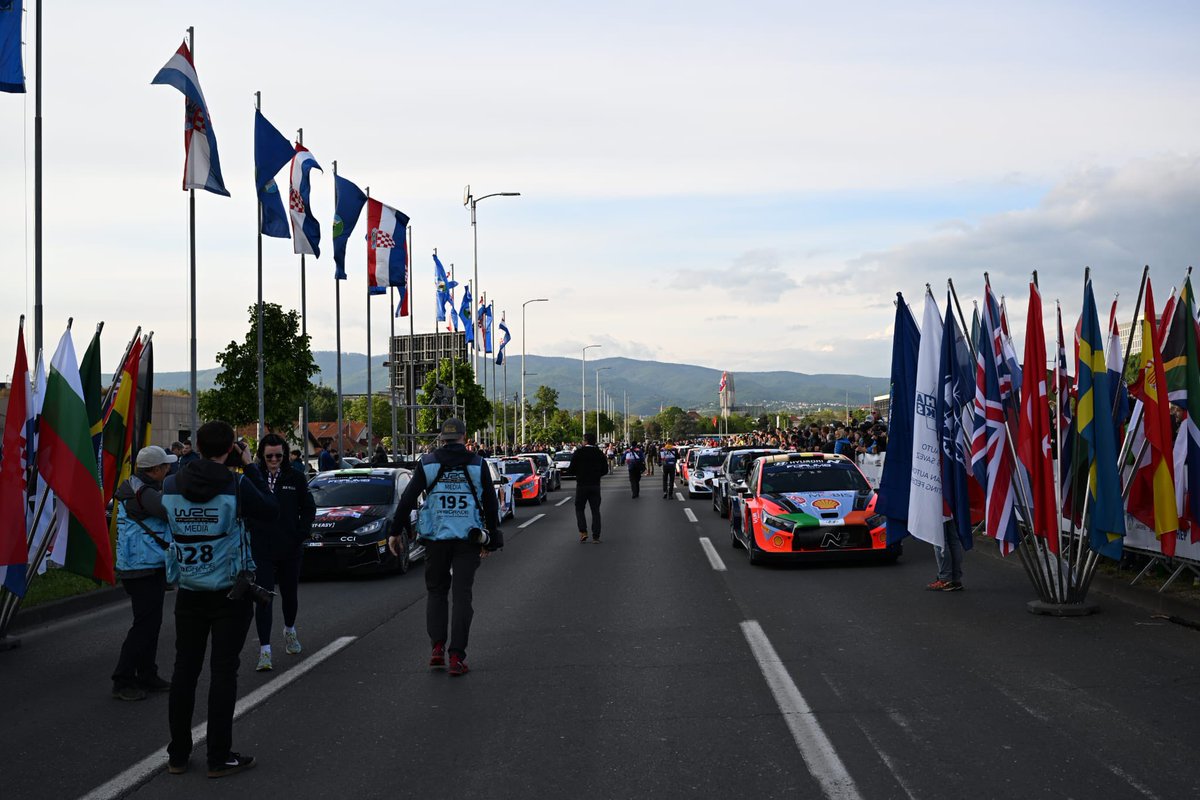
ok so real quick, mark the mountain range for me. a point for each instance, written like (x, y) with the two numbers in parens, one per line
(649, 385)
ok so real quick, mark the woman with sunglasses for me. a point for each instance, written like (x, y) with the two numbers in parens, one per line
(278, 546)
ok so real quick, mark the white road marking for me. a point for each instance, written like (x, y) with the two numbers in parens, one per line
(155, 762)
(563, 502)
(687, 512)
(815, 748)
(530, 522)
(1140, 787)
(679, 497)
(710, 551)
(887, 760)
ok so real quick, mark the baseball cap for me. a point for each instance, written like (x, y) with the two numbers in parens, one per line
(154, 456)
(453, 428)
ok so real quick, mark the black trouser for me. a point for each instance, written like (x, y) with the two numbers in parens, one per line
(668, 478)
(197, 614)
(441, 557)
(635, 480)
(588, 496)
(268, 572)
(137, 662)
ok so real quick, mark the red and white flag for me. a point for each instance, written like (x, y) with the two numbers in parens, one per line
(13, 524)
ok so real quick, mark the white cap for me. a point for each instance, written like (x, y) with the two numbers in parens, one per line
(154, 456)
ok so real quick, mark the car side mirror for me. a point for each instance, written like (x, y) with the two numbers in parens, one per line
(743, 490)
(504, 479)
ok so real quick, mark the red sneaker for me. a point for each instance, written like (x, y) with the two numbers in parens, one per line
(438, 657)
(938, 586)
(458, 666)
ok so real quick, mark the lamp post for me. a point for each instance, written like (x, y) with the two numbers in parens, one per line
(470, 200)
(598, 371)
(527, 302)
(583, 389)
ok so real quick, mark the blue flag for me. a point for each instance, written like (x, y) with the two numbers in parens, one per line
(486, 324)
(464, 313)
(348, 201)
(12, 73)
(444, 289)
(895, 482)
(503, 342)
(271, 151)
(956, 398)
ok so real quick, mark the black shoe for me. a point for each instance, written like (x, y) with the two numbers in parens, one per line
(154, 684)
(596, 539)
(129, 693)
(177, 766)
(236, 762)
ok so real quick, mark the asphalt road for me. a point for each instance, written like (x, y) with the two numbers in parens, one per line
(637, 668)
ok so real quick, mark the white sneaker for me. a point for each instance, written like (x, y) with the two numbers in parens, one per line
(264, 661)
(293, 643)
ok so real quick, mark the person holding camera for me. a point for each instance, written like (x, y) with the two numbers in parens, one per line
(277, 546)
(210, 558)
(459, 525)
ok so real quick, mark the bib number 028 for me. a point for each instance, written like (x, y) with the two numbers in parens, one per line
(193, 555)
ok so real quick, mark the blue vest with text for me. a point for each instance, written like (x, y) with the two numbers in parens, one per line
(136, 548)
(451, 508)
(210, 544)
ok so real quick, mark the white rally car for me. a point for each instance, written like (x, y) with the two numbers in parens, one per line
(703, 467)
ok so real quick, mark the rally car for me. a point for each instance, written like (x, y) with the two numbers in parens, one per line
(546, 468)
(732, 476)
(528, 486)
(808, 506)
(354, 516)
(704, 464)
(562, 462)
(504, 490)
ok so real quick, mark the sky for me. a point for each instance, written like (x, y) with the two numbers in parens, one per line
(742, 187)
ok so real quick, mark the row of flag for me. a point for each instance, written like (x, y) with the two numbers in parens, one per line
(67, 446)
(973, 438)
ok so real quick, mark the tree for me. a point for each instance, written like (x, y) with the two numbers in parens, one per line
(288, 368)
(381, 409)
(322, 404)
(545, 399)
(478, 408)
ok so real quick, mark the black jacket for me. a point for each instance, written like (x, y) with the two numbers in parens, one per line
(452, 455)
(588, 465)
(283, 536)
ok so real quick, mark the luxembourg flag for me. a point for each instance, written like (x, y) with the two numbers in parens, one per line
(387, 250)
(201, 165)
(306, 231)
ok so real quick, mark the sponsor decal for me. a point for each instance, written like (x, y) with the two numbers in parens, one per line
(826, 504)
(343, 512)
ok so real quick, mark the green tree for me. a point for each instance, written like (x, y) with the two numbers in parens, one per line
(288, 368)
(381, 409)
(545, 399)
(478, 408)
(322, 404)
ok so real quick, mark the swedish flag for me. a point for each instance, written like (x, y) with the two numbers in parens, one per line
(1098, 435)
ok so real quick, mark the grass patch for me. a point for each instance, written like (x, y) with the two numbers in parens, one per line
(55, 585)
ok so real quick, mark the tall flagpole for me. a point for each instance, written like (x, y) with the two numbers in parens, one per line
(481, 333)
(304, 328)
(337, 303)
(262, 406)
(453, 349)
(369, 397)
(194, 399)
(410, 393)
(437, 350)
(491, 330)
(37, 180)
(391, 367)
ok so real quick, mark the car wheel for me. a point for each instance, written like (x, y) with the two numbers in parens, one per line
(734, 541)
(404, 561)
(752, 552)
(724, 508)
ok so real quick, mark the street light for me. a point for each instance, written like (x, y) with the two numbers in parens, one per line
(470, 200)
(583, 389)
(598, 371)
(527, 302)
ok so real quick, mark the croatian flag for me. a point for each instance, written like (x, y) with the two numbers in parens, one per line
(306, 231)
(503, 342)
(387, 250)
(724, 381)
(13, 528)
(201, 166)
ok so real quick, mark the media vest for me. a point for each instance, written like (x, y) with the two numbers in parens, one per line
(453, 506)
(136, 547)
(210, 544)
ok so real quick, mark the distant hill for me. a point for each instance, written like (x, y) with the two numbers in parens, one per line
(649, 384)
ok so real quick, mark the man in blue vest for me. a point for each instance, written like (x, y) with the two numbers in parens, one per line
(459, 525)
(206, 503)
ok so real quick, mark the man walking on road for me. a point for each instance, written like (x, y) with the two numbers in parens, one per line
(635, 462)
(949, 561)
(459, 525)
(667, 459)
(589, 465)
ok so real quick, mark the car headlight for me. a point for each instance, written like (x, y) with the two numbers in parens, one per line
(371, 527)
(787, 526)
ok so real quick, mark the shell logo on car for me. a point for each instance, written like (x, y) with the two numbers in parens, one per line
(826, 504)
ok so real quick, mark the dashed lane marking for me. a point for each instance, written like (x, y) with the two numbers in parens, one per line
(691, 515)
(530, 522)
(710, 551)
(815, 748)
(679, 496)
(563, 502)
(145, 769)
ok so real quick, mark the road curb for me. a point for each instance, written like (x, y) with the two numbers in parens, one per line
(67, 607)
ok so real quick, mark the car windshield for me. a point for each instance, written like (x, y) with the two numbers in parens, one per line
(812, 476)
(516, 467)
(739, 463)
(541, 460)
(708, 460)
(353, 490)
(563, 456)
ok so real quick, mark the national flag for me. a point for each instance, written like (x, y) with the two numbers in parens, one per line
(1033, 430)
(892, 495)
(14, 559)
(724, 381)
(954, 412)
(488, 328)
(271, 151)
(348, 201)
(89, 376)
(118, 425)
(1181, 363)
(1098, 435)
(1115, 364)
(1152, 491)
(40, 525)
(66, 459)
(387, 250)
(1011, 380)
(481, 338)
(306, 230)
(144, 406)
(1062, 383)
(991, 456)
(925, 516)
(503, 342)
(444, 287)
(201, 166)
(12, 71)
(464, 314)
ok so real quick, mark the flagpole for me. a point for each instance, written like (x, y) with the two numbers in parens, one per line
(304, 326)
(410, 394)
(1064, 583)
(194, 400)
(369, 398)
(453, 348)
(337, 304)
(391, 383)
(1043, 545)
(262, 412)
(37, 177)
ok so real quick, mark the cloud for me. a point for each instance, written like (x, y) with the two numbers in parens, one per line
(754, 271)
(610, 347)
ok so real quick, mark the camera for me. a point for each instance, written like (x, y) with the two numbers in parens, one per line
(479, 536)
(245, 585)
